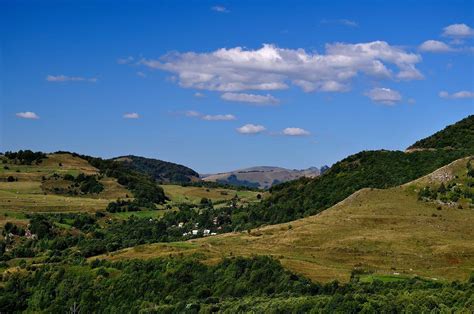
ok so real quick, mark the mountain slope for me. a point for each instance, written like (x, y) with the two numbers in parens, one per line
(261, 177)
(386, 232)
(162, 171)
(368, 169)
(457, 136)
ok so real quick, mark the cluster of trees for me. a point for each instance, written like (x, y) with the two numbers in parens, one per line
(160, 170)
(457, 136)
(369, 169)
(26, 157)
(220, 185)
(81, 184)
(258, 284)
(145, 189)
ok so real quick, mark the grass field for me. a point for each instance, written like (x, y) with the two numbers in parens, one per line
(189, 194)
(27, 195)
(385, 231)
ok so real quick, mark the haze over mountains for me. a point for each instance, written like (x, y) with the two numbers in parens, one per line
(261, 177)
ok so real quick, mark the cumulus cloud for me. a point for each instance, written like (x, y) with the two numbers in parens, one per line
(218, 117)
(273, 68)
(295, 132)
(220, 9)
(458, 31)
(251, 129)
(65, 78)
(251, 98)
(209, 117)
(27, 115)
(126, 60)
(344, 22)
(458, 95)
(131, 115)
(385, 96)
(434, 46)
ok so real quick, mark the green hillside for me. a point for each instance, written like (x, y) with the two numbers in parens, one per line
(162, 171)
(457, 136)
(382, 233)
(368, 169)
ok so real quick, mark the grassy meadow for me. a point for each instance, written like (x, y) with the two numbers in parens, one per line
(384, 232)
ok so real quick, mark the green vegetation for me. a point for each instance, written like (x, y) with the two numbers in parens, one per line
(145, 190)
(369, 169)
(25, 157)
(161, 171)
(259, 284)
(457, 136)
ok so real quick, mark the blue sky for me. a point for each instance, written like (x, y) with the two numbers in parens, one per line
(220, 85)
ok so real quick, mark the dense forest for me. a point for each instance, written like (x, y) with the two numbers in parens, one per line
(258, 284)
(457, 136)
(162, 171)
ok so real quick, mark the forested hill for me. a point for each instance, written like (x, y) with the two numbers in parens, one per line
(458, 136)
(368, 169)
(160, 170)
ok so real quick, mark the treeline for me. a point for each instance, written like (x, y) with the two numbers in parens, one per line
(220, 185)
(161, 171)
(25, 157)
(369, 169)
(457, 136)
(145, 189)
(172, 285)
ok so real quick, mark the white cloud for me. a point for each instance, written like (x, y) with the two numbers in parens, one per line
(385, 96)
(273, 68)
(64, 78)
(458, 30)
(434, 46)
(251, 129)
(199, 95)
(295, 132)
(218, 117)
(27, 115)
(251, 98)
(141, 74)
(209, 117)
(126, 60)
(344, 22)
(458, 95)
(220, 9)
(131, 115)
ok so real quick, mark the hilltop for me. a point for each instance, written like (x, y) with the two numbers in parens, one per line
(390, 232)
(162, 171)
(260, 177)
(456, 136)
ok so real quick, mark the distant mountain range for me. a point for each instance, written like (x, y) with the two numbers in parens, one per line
(261, 177)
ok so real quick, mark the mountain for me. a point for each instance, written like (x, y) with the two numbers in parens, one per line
(260, 177)
(457, 136)
(368, 169)
(393, 232)
(162, 171)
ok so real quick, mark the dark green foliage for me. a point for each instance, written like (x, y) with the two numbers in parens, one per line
(221, 185)
(145, 189)
(457, 136)
(89, 184)
(369, 169)
(161, 171)
(26, 157)
(120, 206)
(257, 284)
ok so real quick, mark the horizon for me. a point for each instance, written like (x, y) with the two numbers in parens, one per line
(189, 83)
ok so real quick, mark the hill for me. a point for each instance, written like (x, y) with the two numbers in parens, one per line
(162, 171)
(260, 177)
(367, 169)
(390, 233)
(457, 136)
